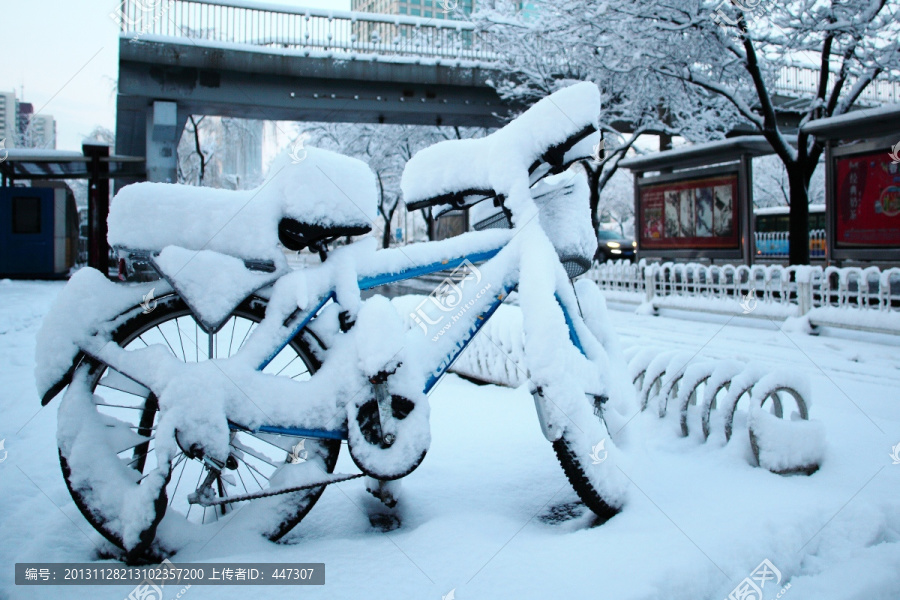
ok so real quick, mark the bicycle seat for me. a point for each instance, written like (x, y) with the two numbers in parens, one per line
(297, 235)
(321, 198)
(544, 140)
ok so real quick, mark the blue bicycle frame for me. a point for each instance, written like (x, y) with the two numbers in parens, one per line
(372, 281)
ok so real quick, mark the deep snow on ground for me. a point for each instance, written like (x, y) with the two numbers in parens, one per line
(489, 513)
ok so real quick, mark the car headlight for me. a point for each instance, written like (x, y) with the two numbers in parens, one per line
(615, 251)
(634, 244)
(613, 244)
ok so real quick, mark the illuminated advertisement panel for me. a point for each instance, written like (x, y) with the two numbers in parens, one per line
(690, 214)
(867, 201)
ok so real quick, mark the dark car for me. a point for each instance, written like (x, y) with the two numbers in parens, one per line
(612, 246)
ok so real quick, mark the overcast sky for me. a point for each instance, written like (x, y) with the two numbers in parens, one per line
(65, 54)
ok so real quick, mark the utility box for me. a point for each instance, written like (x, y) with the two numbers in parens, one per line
(38, 231)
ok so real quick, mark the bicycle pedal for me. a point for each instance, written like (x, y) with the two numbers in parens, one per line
(382, 492)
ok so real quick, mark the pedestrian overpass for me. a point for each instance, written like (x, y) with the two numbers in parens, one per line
(220, 57)
(274, 62)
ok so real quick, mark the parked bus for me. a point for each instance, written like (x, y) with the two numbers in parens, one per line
(772, 226)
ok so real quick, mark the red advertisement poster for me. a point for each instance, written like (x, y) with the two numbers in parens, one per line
(867, 201)
(698, 213)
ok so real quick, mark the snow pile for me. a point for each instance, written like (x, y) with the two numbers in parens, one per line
(652, 376)
(383, 339)
(380, 347)
(786, 446)
(805, 273)
(783, 380)
(325, 189)
(638, 361)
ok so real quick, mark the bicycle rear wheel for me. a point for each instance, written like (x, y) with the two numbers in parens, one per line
(104, 403)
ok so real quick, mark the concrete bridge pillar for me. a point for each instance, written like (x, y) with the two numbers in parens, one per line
(163, 132)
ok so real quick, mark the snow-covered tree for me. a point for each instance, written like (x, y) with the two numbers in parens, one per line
(102, 134)
(576, 40)
(736, 50)
(699, 68)
(193, 154)
(617, 203)
(221, 152)
(771, 186)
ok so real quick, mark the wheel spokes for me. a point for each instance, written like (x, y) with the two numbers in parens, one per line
(257, 459)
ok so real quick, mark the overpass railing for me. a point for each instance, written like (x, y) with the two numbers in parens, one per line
(804, 81)
(278, 26)
(369, 34)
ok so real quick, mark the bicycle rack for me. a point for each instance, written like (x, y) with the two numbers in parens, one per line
(780, 443)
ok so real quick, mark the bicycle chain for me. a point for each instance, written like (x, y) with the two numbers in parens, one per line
(266, 494)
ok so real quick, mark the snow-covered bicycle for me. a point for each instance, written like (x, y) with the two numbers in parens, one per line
(220, 376)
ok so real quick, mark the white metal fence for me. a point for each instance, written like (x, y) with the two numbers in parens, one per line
(862, 298)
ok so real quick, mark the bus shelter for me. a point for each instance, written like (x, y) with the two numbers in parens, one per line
(862, 184)
(94, 163)
(696, 202)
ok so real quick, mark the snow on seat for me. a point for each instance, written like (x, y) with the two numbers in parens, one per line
(554, 130)
(324, 192)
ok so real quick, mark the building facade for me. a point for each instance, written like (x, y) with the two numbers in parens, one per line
(432, 9)
(41, 132)
(21, 128)
(8, 119)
